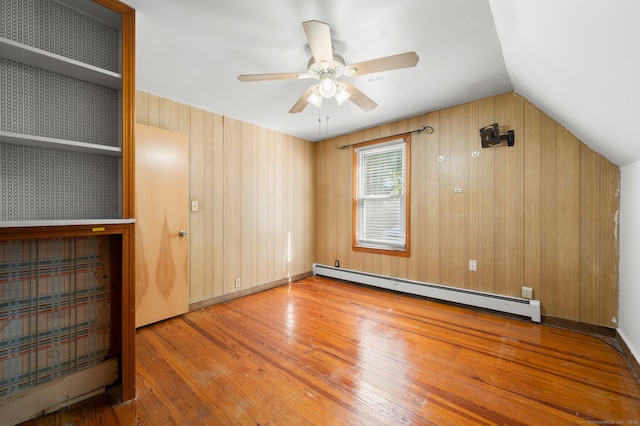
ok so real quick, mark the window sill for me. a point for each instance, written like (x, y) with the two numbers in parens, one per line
(387, 252)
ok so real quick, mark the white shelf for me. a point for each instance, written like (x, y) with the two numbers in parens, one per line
(53, 143)
(50, 61)
(85, 222)
(95, 10)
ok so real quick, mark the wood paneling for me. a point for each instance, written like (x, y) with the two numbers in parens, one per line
(343, 203)
(457, 262)
(197, 188)
(589, 235)
(608, 222)
(472, 191)
(567, 224)
(541, 214)
(532, 197)
(321, 352)
(213, 198)
(232, 216)
(256, 200)
(444, 201)
(548, 262)
(508, 198)
(486, 194)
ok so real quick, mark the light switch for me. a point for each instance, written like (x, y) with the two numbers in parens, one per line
(194, 205)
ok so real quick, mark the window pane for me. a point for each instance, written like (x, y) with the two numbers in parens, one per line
(383, 171)
(382, 221)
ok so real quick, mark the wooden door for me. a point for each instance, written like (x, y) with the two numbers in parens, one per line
(162, 212)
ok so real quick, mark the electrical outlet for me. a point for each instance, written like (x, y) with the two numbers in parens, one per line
(237, 282)
(527, 293)
(473, 265)
(337, 263)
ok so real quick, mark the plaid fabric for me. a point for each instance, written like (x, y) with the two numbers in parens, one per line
(54, 309)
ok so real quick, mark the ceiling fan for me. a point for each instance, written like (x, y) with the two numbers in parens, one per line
(326, 66)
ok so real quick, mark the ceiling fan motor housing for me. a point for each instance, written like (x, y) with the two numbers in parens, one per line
(327, 74)
(320, 70)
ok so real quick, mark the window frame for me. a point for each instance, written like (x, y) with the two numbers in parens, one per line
(406, 251)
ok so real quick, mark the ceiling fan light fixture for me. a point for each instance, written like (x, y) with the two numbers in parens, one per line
(341, 94)
(327, 87)
(315, 98)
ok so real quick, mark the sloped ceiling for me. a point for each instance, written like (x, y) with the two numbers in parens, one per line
(578, 60)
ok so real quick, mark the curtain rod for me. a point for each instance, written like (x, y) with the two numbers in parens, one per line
(427, 129)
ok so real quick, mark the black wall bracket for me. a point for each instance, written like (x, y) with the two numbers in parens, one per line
(490, 136)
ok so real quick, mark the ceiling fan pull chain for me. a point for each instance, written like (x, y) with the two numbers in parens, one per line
(326, 133)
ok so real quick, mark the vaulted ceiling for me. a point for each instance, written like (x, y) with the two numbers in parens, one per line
(577, 60)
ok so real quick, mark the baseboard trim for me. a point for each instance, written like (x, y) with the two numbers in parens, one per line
(582, 327)
(635, 364)
(609, 335)
(241, 293)
(50, 396)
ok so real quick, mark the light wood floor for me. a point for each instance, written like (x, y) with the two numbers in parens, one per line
(328, 353)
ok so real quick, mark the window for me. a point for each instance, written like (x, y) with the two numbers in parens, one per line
(381, 196)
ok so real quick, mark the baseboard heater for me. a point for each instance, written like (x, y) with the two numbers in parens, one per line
(494, 302)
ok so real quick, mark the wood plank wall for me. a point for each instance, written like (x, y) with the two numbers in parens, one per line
(255, 192)
(541, 214)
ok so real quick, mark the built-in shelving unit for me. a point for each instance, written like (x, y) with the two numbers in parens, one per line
(66, 156)
(61, 86)
(59, 64)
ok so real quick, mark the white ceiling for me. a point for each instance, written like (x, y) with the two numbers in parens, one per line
(578, 60)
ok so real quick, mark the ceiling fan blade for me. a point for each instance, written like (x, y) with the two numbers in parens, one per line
(361, 100)
(276, 76)
(302, 102)
(319, 37)
(388, 63)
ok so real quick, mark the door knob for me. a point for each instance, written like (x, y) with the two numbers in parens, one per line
(182, 233)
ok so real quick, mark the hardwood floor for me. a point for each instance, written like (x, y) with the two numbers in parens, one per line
(328, 353)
